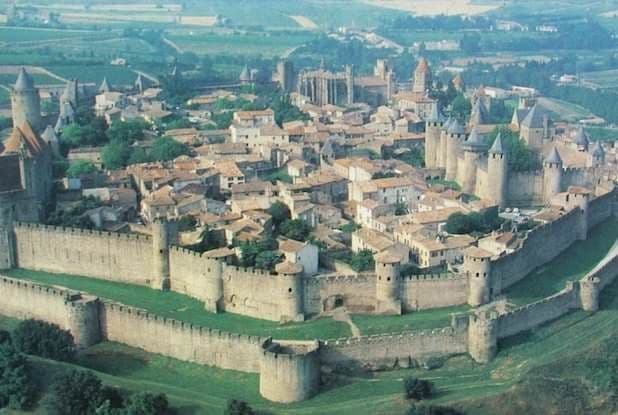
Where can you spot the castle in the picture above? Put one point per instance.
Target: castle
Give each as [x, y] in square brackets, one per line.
[485, 172]
[290, 371]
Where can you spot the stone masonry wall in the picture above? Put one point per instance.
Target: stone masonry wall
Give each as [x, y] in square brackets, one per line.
[110, 256]
[357, 293]
[422, 292]
[182, 341]
[538, 313]
[383, 351]
[194, 275]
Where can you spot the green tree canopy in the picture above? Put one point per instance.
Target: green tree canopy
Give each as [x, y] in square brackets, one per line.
[76, 392]
[362, 261]
[44, 339]
[16, 383]
[520, 157]
[296, 229]
[116, 154]
[80, 167]
[166, 148]
[127, 131]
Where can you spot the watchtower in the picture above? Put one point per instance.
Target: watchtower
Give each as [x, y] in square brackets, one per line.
[497, 171]
[552, 175]
[483, 336]
[161, 237]
[388, 283]
[290, 288]
[433, 128]
[25, 102]
[477, 265]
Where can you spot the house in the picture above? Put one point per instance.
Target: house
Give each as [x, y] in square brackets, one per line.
[301, 253]
[229, 175]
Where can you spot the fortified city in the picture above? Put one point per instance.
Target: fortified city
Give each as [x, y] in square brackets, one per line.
[387, 207]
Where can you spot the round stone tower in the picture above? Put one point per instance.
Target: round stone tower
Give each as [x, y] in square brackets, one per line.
[497, 171]
[433, 128]
[388, 283]
[289, 371]
[214, 285]
[589, 291]
[25, 102]
[474, 149]
[581, 197]
[83, 320]
[552, 175]
[482, 337]
[441, 150]
[290, 283]
[161, 254]
[477, 265]
[456, 133]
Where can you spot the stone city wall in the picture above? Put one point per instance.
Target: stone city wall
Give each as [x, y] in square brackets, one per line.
[355, 292]
[183, 341]
[110, 256]
[601, 208]
[538, 313]
[422, 292]
[524, 187]
[199, 277]
[383, 351]
[606, 273]
[540, 246]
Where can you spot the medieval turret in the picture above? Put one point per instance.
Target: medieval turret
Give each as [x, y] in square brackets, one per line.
[552, 175]
[474, 148]
[25, 102]
[105, 86]
[388, 283]
[581, 140]
[597, 155]
[455, 135]
[433, 127]
[497, 171]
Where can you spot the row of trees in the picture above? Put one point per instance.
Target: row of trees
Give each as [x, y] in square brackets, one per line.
[473, 223]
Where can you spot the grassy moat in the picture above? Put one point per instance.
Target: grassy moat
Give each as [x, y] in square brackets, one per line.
[571, 265]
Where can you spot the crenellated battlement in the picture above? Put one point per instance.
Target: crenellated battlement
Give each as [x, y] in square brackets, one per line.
[82, 232]
[342, 279]
[390, 338]
[182, 326]
[248, 271]
[434, 277]
[566, 292]
[43, 289]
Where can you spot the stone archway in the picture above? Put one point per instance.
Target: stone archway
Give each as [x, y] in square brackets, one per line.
[333, 302]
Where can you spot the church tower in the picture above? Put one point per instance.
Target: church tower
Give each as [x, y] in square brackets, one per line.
[25, 102]
[422, 77]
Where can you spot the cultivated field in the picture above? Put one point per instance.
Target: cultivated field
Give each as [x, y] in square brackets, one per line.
[305, 22]
[565, 111]
[601, 79]
[435, 7]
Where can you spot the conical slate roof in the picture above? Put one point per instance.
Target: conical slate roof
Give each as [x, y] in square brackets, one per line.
[105, 86]
[581, 138]
[497, 147]
[535, 118]
[422, 67]
[447, 124]
[24, 81]
[475, 141]
[597, 150]
[553, 157]
[49, 135]
[435, 115]
[456, 128]
[244, 75]
[479, 114]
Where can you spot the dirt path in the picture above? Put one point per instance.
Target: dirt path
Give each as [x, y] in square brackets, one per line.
[151, 78]
[341, 314]
[173, 45]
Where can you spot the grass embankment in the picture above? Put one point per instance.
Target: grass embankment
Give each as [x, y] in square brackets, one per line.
[417, 320]
[571, 265]
[184, 308]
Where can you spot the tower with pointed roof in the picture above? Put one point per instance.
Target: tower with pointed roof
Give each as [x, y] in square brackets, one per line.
[474, 150]
[422, 77]
[245, 76]
[535, 128]
[552, 175]
[497, 172]
[105, 86]
[597, 155]
[433, 129]
[455, 136]
[25, 102]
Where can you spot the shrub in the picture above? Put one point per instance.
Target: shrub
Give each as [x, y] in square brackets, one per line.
[16, 384]
[146, 404]
[235, 407]
[296, 229]
[418, 389]
[432, 410]
[44, 339]
[76, 393]
[362, 261]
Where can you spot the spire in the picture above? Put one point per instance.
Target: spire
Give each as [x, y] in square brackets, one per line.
[49, 135]
[597, 150]
[535, 118]
[447, 123]
[497, 147]
[581, 139]
[422, 67]
[105, 86]
[24, 81]
[455, 128]
[244, 75]
[435, 115]
[474, 141]
[554, 157]
[479, 114]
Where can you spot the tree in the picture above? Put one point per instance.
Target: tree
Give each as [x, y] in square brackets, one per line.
[401, 209]
[76, 392]
[138, 156]
[432, 410]
[127, 131]
[80, 168]
[461, 107]
[417, 389]
[279, 212]
[146, 404]
[16, 384]
[362, 261]
[296, 229]
[166, 148]
[235, 407]
[44, 339]
[267, 260]
[520, 157]
[115, 154]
